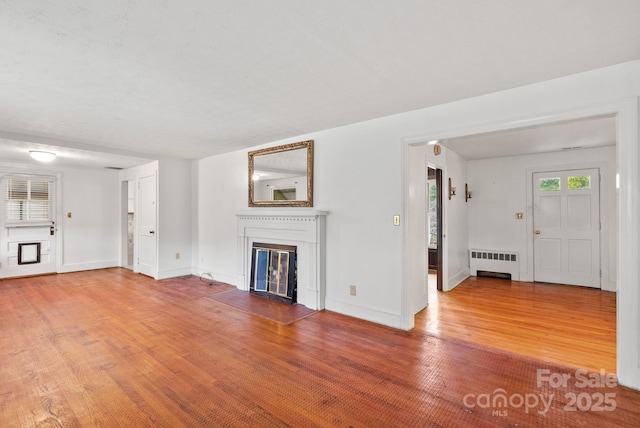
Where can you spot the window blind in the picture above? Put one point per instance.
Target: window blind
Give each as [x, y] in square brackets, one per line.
[27, 200]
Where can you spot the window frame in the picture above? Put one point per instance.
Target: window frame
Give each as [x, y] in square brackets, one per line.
[28, 222]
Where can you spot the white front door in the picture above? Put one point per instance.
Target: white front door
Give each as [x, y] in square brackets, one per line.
[566, 219]
[147, 226]
[27, 227]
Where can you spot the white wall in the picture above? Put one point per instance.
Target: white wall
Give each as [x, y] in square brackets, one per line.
[358, 180]
[499, 187]
[174, 213]
[355, 184]
[131, 196]
[90, 238]
[174, 218]
[456, 222]
[220, 190]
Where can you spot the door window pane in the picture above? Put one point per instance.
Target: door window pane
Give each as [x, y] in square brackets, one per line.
[27, 201]
[549, 184]
[579, 182]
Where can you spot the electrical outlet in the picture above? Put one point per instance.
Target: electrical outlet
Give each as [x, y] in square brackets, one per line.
[396, 220]
[352, 290]
[177, 256]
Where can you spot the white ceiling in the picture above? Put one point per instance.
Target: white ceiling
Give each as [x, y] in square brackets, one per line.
[574, 135]
[194, 78]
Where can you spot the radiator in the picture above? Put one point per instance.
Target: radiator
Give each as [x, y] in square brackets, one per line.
[494, 261]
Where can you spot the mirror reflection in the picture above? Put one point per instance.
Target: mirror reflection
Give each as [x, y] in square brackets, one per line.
[282, 176]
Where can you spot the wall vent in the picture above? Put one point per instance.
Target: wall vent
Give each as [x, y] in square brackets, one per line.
[498, 262]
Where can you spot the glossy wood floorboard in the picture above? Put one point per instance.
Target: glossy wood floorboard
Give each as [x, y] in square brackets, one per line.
[110, 348]
[574, 326]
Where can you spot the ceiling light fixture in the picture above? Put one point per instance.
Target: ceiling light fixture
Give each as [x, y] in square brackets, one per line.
[41, 156]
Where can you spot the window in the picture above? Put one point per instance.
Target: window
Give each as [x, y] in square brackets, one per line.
[549, 184]
[27, 200]
[579, 182]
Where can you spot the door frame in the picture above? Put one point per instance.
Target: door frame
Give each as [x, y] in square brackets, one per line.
[606, 200]
[134, 174]
[417, 156]
[626, 111]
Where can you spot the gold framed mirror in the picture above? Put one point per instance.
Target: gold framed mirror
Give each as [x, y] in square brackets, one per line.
[282, 176]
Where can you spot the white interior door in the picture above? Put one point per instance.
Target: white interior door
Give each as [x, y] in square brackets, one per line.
[27, 226]
[566, 221]
[147, 226]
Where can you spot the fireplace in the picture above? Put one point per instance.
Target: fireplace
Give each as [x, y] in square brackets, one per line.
[273, 271]
[301, 228]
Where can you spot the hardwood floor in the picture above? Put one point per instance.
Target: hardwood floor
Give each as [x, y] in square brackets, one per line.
[111, 348]
[567, 325]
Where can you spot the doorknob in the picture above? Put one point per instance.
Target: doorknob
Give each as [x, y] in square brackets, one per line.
[537, 232]
[152, 232]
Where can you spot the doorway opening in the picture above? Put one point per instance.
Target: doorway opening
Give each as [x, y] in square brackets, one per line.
[561, 231]
[128, 191]
[623, 200]
[434, 228]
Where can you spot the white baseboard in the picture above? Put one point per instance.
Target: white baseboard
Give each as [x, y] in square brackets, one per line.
[609, 285]
[457, 279]
[236, 280]
[173, 273]
[77, 267]
[606, 285]
[379, 316]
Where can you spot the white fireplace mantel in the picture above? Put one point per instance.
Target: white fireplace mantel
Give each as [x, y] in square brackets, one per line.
[302, 227]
